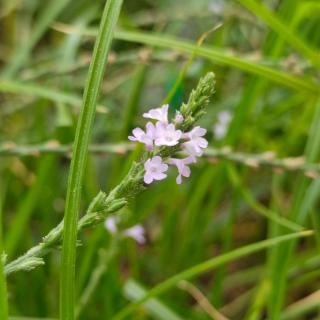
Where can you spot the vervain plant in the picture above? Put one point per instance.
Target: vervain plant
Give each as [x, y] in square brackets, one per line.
[133, 183]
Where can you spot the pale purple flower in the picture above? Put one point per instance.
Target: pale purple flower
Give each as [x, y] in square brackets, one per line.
[216, 6]
[111, 225]
[160, 114]
[224, 116]
[220, 129]
[167, 135]
[138, 134]
[179, 118]
[183, 169]
[154, 169]
[194, 147]
[137, 233]
[145, 137]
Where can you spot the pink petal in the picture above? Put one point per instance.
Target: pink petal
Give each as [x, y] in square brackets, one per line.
[179, 118]
[165, 108]
[138, 132]
[163, 167]
[147, 164]
[203, 143]
[136, 233]
[201, 131]
[148, 178]
[159, 176]
[156, 160]
[186, 172]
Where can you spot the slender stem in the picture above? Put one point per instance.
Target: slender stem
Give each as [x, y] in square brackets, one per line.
[83, 131]
[100, 207]
[255, 161]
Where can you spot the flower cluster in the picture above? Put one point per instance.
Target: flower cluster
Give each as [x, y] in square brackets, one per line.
[136, 232]
[164, 134]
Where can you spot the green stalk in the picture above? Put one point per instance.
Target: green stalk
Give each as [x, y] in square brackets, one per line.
[90, 97]
[209, 265]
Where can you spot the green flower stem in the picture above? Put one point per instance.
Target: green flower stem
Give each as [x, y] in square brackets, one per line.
[77, 169]
[103, 205]
[100, 207]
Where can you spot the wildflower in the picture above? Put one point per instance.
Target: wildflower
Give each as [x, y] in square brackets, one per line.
[224, 116]
[183, 169]
[220, 129]
[154, 169]
[144, 137]
[216, 6]
[167, 135]
[111, 225]
[163, 133]
[137, 233]
[179, 118]
[160, 114]
[138, 134]
[196, 142]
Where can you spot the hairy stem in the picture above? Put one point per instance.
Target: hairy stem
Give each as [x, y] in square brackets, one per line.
[103, 205]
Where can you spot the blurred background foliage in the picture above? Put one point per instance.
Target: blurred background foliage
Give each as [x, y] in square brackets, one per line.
[265, 55]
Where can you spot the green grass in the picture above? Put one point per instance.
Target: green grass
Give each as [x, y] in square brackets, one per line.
[78, 163]
[208, 265]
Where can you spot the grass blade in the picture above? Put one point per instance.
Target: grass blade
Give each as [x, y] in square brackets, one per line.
[213, 54]
[49, 14]
[280, 256]
[134, 291]
[281, 29]
[209, 265]
[95, 75]
[35, 90]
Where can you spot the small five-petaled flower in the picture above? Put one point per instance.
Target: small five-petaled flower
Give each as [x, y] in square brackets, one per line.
[163, 133]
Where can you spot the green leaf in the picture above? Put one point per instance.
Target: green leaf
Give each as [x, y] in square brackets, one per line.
[78, 163]
[134, 291]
